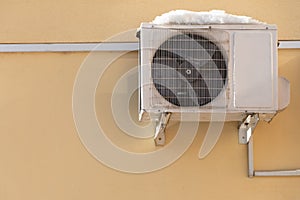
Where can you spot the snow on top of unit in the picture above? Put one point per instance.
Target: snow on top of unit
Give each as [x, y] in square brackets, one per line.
[211, 17]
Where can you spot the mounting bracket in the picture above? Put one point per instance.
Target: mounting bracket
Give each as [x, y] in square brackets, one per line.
[247, 127]
[159, 136]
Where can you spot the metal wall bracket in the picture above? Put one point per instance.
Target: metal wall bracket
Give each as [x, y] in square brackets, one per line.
[247, 127]
[159, 136]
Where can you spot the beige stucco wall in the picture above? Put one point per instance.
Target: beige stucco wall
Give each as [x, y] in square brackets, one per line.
[95, 20]
[40, 152]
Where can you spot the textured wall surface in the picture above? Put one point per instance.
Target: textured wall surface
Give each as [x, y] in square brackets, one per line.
[40, 151]
[95, 20]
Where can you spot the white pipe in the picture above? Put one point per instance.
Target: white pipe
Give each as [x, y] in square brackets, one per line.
[69, 47]
[112, 46]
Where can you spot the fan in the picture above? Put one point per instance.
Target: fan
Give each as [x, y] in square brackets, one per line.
[189, 70]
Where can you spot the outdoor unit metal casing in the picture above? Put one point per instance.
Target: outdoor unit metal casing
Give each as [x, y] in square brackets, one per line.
[250, 54]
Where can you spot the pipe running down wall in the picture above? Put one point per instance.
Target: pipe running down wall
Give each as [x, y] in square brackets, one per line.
[252, 172]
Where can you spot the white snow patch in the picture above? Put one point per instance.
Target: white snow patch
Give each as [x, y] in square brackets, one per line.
[211, 17]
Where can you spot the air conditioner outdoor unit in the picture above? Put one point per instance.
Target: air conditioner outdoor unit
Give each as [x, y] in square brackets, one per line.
[197, 70]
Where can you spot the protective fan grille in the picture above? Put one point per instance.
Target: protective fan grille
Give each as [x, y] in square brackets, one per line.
[189, 70]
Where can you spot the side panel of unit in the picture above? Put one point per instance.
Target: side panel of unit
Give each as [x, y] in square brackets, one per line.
[254, 75]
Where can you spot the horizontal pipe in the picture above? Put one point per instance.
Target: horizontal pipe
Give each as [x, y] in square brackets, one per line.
[295, 172]
[69, 47]
[291, 44]
[85, 47]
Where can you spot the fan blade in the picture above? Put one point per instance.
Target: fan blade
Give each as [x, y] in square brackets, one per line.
[201, 92]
